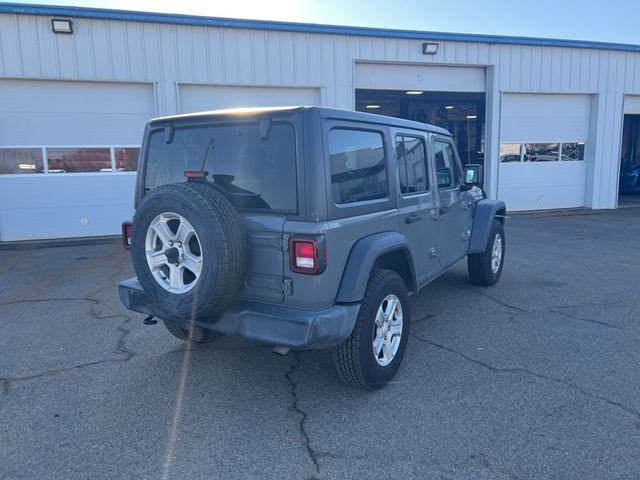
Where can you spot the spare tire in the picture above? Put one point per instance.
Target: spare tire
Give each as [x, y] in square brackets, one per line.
[188, 250]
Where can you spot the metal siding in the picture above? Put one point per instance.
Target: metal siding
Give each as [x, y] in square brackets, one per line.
[197, 98]
[155, 49]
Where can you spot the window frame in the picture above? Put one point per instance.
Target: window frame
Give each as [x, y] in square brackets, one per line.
[402, 135]
[45, 160]
[456, 161]
[385, 152]
[523, 151]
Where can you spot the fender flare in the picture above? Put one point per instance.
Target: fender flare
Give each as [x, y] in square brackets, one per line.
[360, 262]
[485, 211]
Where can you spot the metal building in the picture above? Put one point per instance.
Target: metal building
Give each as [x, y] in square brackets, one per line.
[77, 85]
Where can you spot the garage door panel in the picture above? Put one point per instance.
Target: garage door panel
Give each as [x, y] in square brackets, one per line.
[544, 118]
[632, 104]
[420, 77]
[72, 129]
[542, 186]
[64, 206]
[52, 113]
[197, 98]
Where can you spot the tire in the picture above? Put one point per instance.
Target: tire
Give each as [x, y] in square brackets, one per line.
[354, 359]
[208, 269]
[190, 334]
[481, 270]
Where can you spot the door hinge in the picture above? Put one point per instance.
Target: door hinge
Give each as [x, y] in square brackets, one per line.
[284, 242]
[433, 252]
[465, 235]
[287, 286]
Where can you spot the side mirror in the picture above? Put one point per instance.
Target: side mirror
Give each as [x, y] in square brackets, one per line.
[472, 176]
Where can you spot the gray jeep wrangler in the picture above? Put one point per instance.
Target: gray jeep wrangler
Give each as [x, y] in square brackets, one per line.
[303, 228]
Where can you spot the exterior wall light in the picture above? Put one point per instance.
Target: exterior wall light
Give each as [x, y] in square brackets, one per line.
[429, 48]
[61, 25]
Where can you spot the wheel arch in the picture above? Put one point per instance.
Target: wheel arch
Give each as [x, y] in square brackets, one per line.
[485, 211]
[388, 250]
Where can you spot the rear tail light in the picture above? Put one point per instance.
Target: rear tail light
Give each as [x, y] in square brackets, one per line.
[307, 254]
[127, 233]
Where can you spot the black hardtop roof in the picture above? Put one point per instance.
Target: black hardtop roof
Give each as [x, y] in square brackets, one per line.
[324, 112]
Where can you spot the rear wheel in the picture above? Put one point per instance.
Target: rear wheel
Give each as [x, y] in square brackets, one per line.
[190, 333]
[372, 354]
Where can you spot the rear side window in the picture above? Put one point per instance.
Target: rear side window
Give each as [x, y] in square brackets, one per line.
[358, 165]
[446, 168]
[412, 165]
[256, 173]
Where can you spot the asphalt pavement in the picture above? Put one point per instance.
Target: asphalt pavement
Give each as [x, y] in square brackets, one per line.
[537, 377]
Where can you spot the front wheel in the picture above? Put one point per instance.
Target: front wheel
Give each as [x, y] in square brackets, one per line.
[372, 354]
[485, 267]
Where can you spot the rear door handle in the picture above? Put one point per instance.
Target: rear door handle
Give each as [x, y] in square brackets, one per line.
[414, 217]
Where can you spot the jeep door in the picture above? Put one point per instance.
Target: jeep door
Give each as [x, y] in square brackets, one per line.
[416, 204]
[454, 216]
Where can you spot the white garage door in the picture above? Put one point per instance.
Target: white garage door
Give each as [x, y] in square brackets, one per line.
[543, 140]
[198, 98]
[420, 77]
[34, 112]
[59, 144]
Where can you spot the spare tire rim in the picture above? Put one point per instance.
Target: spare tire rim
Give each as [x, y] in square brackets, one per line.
[496, 253]
[174, 253]
[387, 331]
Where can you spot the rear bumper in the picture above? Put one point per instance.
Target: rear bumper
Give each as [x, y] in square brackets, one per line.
[265, 323]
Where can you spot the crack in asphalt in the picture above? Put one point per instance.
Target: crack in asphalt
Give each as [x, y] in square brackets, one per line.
[8, 381]
[490, 297]
[119, 349]
[63, 299]
[582, 319]
[426, 317]
[303, 415]
[525, 371]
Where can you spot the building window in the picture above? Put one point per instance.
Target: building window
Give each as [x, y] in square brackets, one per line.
[358, 165]
[542, 152]
[412, 165]
[572, 151]
[75, 160]
[127, 159]
[21, 160]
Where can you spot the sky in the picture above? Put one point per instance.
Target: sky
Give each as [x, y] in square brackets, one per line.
[615, 21]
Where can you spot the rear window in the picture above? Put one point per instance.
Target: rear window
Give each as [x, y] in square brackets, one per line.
[257, 173]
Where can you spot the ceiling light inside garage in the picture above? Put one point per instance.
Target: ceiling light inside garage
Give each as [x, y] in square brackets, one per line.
[414, 92]
[373, 106]
[471, 117]
[448, 107]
